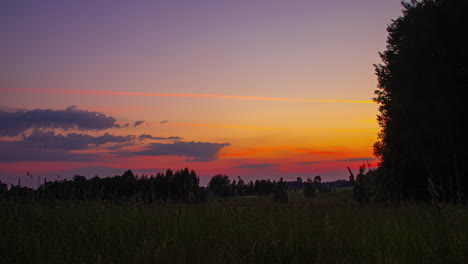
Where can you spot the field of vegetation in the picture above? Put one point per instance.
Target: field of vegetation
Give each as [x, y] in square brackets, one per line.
[331, 228]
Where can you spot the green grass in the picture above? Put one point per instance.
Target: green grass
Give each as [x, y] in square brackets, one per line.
[329, 229]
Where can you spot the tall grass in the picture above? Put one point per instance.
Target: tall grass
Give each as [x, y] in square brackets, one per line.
[329, 229]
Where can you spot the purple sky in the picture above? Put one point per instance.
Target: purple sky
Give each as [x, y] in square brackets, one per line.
[188, 60]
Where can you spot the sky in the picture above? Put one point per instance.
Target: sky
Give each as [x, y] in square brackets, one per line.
[257, 89]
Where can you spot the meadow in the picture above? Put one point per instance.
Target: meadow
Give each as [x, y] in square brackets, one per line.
[331, 228]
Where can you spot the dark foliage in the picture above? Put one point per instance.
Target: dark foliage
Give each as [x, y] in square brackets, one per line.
[220, 185]
[309, 189]
[264, 187]
[169, 187]
[3, 187]
[181, 186]
[423, 88]
[351, 176]
[280, 192]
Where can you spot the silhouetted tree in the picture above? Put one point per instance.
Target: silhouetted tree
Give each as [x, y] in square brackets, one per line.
[351, 176]
[219, 185]
[3, 187]
[280, 192]
[310, 189]
[422, 92]
[318, 179]
[241, 187]
[181, 186]
[263, 187]
[362, 185]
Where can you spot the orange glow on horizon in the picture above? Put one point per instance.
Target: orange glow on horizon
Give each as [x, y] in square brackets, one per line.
[263, 128]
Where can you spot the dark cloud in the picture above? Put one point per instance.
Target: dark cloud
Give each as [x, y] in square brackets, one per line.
[255, 166]
[49, 146]
[175, 138]
[193, 151]
[331, 161]
[15, 123]
[137, 123]
[146, 136]
[164, 122]
[72, 141]
[45, 145]
[18, 151]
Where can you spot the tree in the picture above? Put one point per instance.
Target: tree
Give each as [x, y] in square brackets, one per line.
[318, 179]
[351, 176]
[317, 183]
[309, 189]
[361, 188]
[280, 192]
[422, 90]
[184, 185]
[220, 185]
[3, 187]
[240, 188]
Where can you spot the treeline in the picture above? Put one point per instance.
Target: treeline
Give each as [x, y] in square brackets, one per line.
[222, 186]
[178, 186]
[169, 187]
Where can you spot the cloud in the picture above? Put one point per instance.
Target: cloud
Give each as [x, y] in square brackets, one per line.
[78, 141]
[15, 123]
[255, 166]
[332, 161]
[72, 141]
[193, 151]
[163, 122]
[146, 136]
[137, 123]
[18, 151]
[45, 145]
[48, 146]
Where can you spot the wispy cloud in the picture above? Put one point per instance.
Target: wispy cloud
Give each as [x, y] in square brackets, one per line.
[146, 136]
[137, 123]
[193, 151]
[255, 166]
[334, 161]
[190, 95]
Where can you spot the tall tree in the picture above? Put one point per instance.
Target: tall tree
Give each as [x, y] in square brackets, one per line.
[422, 92]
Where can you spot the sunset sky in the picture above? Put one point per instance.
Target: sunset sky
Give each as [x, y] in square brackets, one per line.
[257, 89]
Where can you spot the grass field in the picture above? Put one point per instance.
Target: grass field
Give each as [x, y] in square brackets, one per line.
[329, 229]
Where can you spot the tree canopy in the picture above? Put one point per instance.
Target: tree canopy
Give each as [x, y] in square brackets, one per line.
[422, 93]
